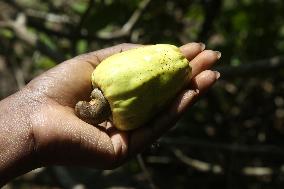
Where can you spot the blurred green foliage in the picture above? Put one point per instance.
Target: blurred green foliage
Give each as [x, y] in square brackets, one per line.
[238, 125]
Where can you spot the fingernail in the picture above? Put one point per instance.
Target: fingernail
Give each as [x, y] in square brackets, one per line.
[219, 54]
[202, 45]
[217, 74]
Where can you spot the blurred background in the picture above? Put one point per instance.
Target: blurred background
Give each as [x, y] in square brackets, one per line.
[232, 138]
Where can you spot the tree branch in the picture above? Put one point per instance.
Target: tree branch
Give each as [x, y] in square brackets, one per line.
[47, 16]
[202, 166]
[84, 16]
[212, 9]
[102, 36]
[248, 149]
[260, 68]
[128, 26]
[79, 27]
[146, 172]
[21, 32]
[197, 164]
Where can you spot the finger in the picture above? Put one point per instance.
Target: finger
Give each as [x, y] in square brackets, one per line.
[143, 137]
[204, 61]
[190, 50]
[201, 83]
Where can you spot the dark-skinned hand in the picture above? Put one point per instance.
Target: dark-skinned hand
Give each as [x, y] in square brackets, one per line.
[38, 125]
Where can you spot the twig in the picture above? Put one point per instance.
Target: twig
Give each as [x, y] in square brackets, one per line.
[257, 171]
[47, 16]
[84, 16]
[253, 68]
[212, 9]
[146, 172]
[158, 159]
[18, 26]
[128, 26]
[197, 164]
[21, 32]
[104, 36]
[7, 186]
[34, 13]
[202, 166]
[78, 28]
[65, 34]
[250, 149]
[135, 16]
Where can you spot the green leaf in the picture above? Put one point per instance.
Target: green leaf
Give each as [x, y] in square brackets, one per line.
[6, 33]
[82, 46]
[79, 6]
[44, 62]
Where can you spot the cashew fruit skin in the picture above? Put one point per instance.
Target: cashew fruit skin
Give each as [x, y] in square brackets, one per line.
[138, 83]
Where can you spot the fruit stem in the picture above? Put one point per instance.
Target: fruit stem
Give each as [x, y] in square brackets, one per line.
[95, 111]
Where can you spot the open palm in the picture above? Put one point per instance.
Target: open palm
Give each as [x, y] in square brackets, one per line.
[62, 138]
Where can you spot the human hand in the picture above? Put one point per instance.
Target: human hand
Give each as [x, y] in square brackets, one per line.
[50, 133]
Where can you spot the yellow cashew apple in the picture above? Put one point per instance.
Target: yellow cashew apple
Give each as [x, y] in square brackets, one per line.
[131, 87]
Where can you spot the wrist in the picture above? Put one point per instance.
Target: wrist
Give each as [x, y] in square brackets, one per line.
[16, 140]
